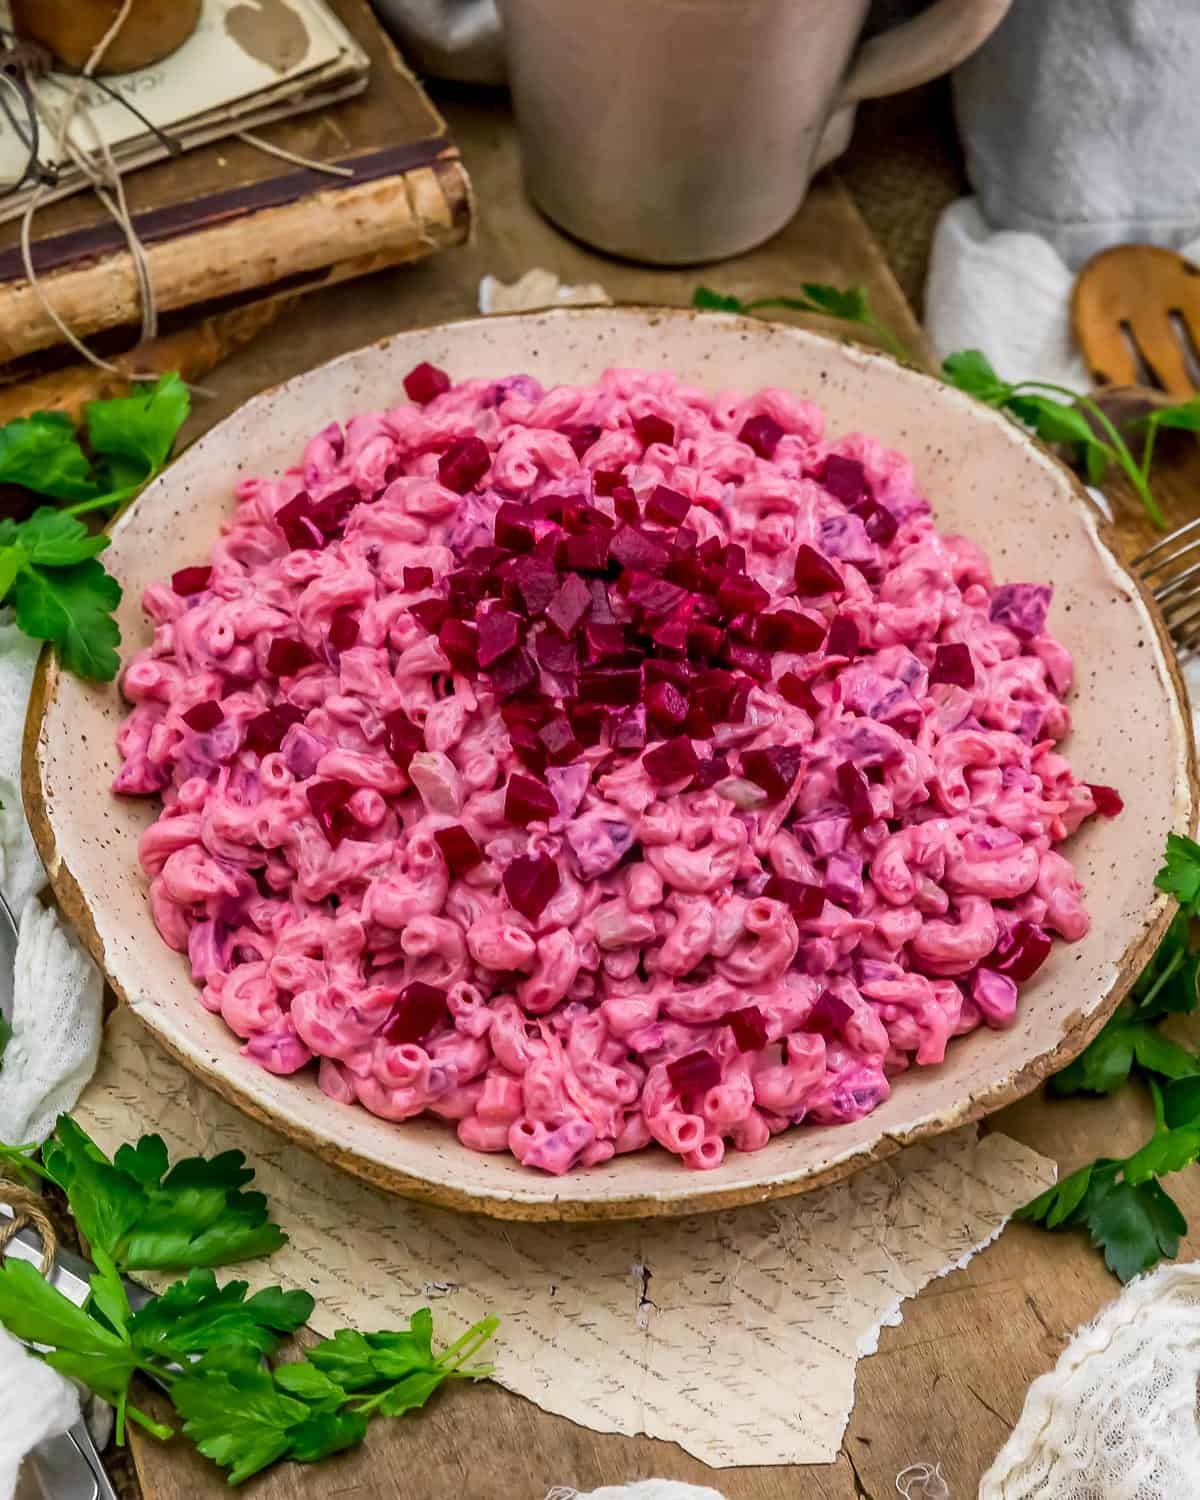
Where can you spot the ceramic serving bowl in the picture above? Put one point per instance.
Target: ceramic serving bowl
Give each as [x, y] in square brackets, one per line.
[984, 477]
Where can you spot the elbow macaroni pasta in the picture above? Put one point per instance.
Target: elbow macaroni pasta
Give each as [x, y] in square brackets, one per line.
[559, 1032]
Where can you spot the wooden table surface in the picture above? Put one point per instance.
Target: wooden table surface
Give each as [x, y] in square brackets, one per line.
[950, 1381]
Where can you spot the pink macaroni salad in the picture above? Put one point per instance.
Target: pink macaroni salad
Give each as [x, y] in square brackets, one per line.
[600, 766]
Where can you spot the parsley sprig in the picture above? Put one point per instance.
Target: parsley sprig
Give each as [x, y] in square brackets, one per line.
[1122, 1202]
[48, 567]
[1054, 412]
[208, 1345]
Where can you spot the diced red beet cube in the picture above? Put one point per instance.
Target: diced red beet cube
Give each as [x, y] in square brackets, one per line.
[739, 593]
[468, 586]
[556, 652]
[416, 579]
[829, 1014]
[710, 771]
[418, 1010]
[528, 747]
[845, 478]
[528, 801]
[652, 429]
[625, 504]
[653, 596]
[666, 705]
[285, 658]
[666, 669]
[798, 693]
[265, 732]
[559, 741]
[459, 849]
[530, 883]
[1020, 952]
[713, 550]
[816, 574]
[204, 716]
[749, 659]
[762, 433]
[615, 687]
[588, 720]
[331, 512]
[569, 604]
[749, 1027]
[667, 506]
[673, 760]
[514, 529]
[1109, 802]
[855, 792]
[695, 1073]
[788, 630]
[634, 548]
[602, 610]
[534, 709]
[705, 641]
[880, 524]
[805, 901]
[431, 614]
[499, 633]
[582, 440]
[686, 539]
[774, 767]
[952, 663]
[843, 638]
[603, 642]
[401, 737]
[586, 552]
[734, 557]
[188, 581]
[536, 583]
[328, 799]
[605, 481]
[459, 641]
[463, 464]
[512, 674]
[343, 630]
[299, 525]
[628, 730]
[425, 381]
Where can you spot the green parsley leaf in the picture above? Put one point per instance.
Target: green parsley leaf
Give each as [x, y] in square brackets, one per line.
[971, 371]
[1181, 1103]
[1165, 1152]
[72, 608]
[148, 1218]
[1134, 1226]
[1180, 875]
[1185, 416]
[704, 297]
[139, 428]
[411, 1392]
[1159, 1055]
[1061, 1204]
[41, 453]
[326, 1433]
[1167, 985]
[56, 539]
[307, 1383]
[1104, 1064]
[195, 1315]
[33, 1310]
[344, 1358]
[236, 1416]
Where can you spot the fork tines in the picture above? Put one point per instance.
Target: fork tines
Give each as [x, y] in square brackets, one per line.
[1171, 571]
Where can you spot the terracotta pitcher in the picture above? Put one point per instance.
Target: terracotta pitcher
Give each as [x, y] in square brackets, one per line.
[675, 131]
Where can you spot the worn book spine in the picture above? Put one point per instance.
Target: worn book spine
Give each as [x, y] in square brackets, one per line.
[294, 241]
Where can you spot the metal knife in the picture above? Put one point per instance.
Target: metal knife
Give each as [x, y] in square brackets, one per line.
[66, 1467]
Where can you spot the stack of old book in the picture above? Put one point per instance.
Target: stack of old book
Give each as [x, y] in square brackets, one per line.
[223, 222]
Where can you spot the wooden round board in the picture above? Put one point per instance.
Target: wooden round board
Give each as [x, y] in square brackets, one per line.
[984, 478]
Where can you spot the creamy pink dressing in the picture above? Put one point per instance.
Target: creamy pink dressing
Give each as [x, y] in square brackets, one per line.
[715, 956]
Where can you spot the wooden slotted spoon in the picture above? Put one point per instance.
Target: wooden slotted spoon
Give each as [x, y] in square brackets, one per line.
[1136, 314]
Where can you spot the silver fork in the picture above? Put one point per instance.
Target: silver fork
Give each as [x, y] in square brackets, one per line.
[1171, 571]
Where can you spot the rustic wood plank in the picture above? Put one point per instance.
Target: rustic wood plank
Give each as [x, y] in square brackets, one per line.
[949, 1381]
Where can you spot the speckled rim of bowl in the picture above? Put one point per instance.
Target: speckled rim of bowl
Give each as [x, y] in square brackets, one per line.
[536, 1197]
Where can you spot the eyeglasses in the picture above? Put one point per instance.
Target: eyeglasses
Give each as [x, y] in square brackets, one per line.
[19, 137]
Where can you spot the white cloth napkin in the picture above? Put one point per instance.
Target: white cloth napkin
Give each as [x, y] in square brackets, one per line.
[37, 1403]
[58, 991]
[1080, 129]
